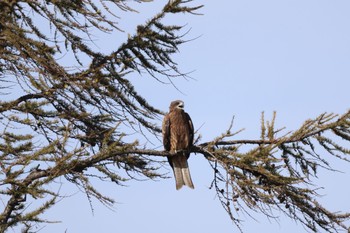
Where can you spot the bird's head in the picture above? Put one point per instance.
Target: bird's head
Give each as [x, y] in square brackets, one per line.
[177, 104]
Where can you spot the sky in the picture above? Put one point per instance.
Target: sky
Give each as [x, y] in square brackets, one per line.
[288, 56]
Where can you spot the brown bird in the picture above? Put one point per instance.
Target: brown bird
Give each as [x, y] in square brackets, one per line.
[177, 132]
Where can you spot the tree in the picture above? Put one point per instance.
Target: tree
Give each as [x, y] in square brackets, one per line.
[60, 121]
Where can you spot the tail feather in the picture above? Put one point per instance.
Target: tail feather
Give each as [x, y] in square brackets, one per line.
[178, 178]
[186, 176]
[181, 172]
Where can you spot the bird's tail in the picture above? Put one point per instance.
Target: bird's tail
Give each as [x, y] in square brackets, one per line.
[182, 173]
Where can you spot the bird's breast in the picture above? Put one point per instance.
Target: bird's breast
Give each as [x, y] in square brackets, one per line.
[179, 132]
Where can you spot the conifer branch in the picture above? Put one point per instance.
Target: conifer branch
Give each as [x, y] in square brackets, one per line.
[76, 120]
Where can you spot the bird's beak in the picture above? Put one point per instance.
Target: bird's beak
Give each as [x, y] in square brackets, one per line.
[181, 105]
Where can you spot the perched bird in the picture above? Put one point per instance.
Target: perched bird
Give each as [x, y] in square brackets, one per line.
[177, 129]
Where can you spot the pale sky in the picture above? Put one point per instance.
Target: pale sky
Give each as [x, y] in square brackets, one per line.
[289, 56]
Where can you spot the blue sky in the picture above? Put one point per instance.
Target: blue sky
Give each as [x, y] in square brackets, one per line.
[289, 56]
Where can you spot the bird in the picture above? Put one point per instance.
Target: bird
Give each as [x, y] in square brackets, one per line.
[177, 131]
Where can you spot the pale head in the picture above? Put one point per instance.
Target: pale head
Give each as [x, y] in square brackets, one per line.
[177, 104]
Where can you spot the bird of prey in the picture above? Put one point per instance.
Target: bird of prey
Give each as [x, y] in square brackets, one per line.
[177, 129]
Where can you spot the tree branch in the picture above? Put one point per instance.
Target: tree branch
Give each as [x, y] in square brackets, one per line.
[5, 106]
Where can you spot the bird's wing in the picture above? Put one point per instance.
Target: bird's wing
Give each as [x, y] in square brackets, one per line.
[191, 129]
[166, 132]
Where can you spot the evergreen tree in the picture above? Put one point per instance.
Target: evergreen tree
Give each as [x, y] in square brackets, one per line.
[60, 121]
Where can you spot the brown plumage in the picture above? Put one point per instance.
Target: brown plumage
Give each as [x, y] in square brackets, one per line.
[177, 131]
